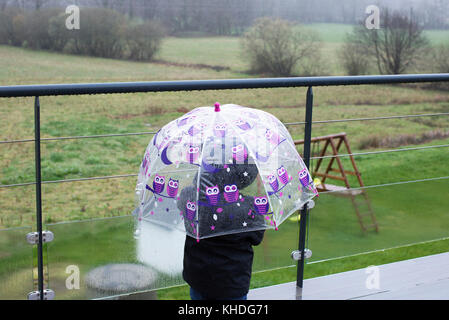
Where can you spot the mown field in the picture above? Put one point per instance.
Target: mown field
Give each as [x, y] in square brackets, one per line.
[409, 213]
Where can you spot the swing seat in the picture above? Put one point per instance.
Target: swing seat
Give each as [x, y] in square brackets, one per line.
[338, 190]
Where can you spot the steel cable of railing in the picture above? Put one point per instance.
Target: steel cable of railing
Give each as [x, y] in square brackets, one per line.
[312, 158]
[381, 151]
[81, 137]
[285, 123]
[135, 175]
[386, 185]
[369, 119]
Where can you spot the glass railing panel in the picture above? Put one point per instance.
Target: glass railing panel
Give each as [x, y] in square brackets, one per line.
[16, 264]
[277, 246]
[342, 224]
[105, 258]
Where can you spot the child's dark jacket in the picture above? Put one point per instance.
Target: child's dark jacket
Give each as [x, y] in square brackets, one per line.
[220, 267]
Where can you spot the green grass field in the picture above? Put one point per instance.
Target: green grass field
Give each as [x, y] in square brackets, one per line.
[227, 52]
[90, 219]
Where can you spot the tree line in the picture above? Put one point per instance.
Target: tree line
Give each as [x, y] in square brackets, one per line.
[105, 33]
[279, 48]
[233, 17]
[271, 46]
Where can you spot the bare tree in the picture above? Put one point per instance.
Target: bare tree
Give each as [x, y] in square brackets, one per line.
[353, 59]
[440, 56]
[396, 46]
[276, 47]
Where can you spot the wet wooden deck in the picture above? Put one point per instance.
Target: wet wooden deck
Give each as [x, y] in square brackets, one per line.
[425, 278]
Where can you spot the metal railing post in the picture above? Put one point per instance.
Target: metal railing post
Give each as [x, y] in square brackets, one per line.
[37, 161]
[304, 211]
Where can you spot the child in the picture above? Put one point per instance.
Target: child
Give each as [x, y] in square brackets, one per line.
[219, 267]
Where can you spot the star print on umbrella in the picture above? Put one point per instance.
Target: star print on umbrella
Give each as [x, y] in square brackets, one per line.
[221, 170]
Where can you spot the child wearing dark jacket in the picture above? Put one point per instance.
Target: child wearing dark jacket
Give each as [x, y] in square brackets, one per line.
[219, 267]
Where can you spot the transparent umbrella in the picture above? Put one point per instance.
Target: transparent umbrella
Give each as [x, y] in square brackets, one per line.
[221, 170]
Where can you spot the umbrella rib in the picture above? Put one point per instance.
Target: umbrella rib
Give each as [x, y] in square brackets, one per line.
[255, 162]
[206, 135]
[145, 179]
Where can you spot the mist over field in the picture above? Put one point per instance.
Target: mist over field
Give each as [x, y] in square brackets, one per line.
[227, 17]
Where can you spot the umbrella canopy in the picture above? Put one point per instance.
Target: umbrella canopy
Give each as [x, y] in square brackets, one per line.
[221, 170]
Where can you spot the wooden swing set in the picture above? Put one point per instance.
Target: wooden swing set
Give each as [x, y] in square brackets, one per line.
[359, 197]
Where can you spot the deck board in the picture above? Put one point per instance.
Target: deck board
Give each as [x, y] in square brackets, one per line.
[425, 278]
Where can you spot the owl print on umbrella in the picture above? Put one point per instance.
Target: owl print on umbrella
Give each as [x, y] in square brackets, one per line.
[278, 181]
[231, 193]
[239, 153]
[194, 175]
[242, 124]
[159, 185]
[213, 195]
[261, 205]
[220, 130]
[192, 154]
[305, 180]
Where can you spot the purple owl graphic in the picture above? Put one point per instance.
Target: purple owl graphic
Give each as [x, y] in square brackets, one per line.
[172, 187]
[158, 184]
[242, 124]
[192, 154]
[196, 128]
[261, 204]
[186, 120]
[146, 162]
[283, 175]
[304, 177]
[272, 136]
[273, 181]
[220, 130]
[231, 193]
[239, 153]
[213, 195]
[190, 210]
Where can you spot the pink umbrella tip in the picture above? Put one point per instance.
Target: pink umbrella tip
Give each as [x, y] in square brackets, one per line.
[217, 107]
